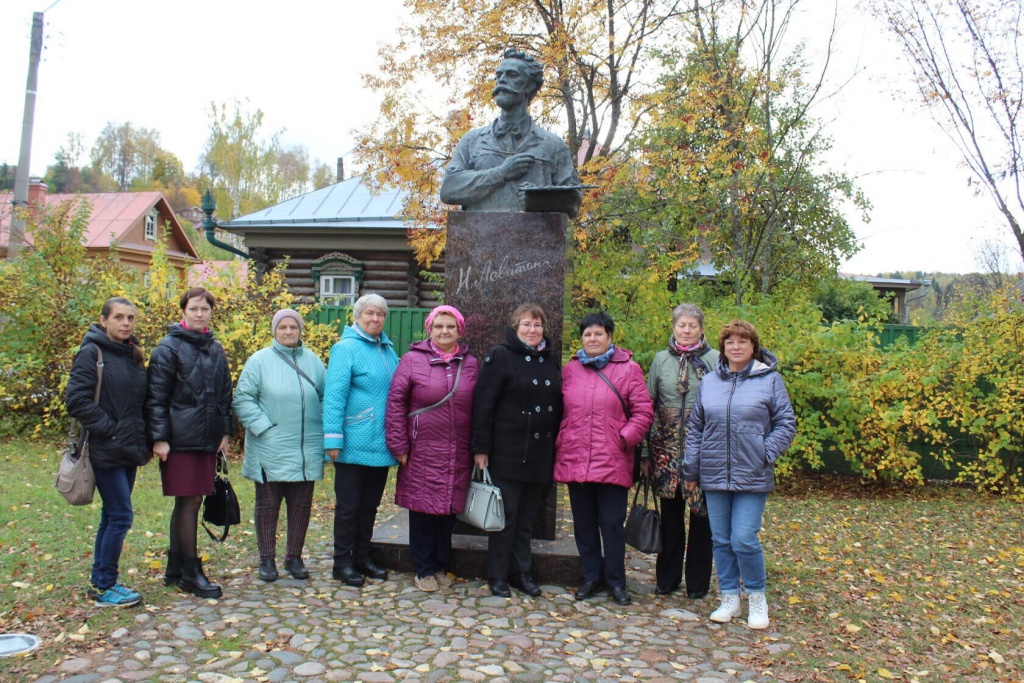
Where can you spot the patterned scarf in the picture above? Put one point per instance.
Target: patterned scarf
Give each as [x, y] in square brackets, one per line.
[689, 356]
[538, 348]
[446, 357]
[597, 361]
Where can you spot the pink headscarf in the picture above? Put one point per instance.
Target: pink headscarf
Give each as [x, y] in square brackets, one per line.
[460, 322]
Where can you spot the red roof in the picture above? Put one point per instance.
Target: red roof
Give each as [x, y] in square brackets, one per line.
[111, 216]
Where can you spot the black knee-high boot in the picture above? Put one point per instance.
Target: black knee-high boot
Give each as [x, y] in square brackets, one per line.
[185, 526]
[172, 574]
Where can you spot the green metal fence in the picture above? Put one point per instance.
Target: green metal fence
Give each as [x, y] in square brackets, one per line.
[402, 326]
[890, 333]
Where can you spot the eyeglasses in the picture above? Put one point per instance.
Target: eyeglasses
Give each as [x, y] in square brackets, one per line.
[531, 326]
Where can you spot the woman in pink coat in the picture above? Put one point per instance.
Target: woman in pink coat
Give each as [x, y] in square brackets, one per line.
[428, 428]
[607, 412]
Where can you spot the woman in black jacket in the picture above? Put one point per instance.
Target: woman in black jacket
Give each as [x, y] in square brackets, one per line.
[517, 406]
[188, 407]
[117, 436]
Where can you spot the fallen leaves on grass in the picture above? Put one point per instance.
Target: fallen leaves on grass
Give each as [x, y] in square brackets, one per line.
[895, 584]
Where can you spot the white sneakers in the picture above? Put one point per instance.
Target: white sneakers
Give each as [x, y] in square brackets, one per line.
[758, 615]
[730, 607]
[443, 580]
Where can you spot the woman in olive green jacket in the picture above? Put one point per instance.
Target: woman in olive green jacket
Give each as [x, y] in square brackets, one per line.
[672, 382]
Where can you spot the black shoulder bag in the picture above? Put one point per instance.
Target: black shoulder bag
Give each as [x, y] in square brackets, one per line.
[221, 507]
[643, 525]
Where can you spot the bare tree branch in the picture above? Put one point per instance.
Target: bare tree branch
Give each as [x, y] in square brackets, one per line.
[966, 59]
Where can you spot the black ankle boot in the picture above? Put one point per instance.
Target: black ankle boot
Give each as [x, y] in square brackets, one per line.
[268, 570]
[296, 567]
[172, 575]
[194, 581]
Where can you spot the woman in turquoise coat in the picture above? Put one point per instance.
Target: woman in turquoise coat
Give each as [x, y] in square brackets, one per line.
[277, 400]
[355, 404]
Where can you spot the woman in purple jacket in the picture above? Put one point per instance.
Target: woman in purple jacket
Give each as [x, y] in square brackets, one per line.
[607, 412]
[429, 429]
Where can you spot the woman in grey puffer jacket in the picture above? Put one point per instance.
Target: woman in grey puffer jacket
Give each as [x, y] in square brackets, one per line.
[741, 422]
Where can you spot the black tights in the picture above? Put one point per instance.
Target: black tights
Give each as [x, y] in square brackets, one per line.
[184, 525]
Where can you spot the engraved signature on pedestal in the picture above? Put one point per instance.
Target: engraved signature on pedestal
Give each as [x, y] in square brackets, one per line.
[487, 273]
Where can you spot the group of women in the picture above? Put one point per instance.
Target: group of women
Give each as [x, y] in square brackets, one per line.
[716, 421]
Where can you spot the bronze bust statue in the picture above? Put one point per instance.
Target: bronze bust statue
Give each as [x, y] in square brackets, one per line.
[495, 166]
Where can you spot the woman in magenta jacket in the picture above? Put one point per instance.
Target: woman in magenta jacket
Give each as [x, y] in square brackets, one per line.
[429, 429]
[607, 412]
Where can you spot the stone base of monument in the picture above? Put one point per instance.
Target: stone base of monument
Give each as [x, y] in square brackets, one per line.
[554, 561]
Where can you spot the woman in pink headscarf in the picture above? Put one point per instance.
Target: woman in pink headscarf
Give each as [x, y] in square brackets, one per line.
[429, 427]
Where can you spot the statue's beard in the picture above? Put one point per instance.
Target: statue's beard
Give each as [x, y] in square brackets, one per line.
[505, 97]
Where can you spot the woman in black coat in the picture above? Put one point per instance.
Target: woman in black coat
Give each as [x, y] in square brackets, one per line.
[188, 407]
[517, 407]
[117, 436]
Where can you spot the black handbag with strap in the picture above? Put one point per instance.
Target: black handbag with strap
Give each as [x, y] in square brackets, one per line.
[221, 507]
[643, 525]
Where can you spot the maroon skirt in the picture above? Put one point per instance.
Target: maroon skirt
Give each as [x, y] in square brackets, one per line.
[188, 473]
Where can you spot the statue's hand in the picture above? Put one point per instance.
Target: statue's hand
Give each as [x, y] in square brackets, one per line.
[516, 166]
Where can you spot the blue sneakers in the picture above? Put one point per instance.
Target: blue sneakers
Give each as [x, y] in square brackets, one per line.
[126, 591]
[117, 595]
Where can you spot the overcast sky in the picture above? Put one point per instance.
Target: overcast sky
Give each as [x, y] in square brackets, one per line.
[160, 65]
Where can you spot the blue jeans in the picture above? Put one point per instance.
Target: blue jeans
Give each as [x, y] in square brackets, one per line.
[115, 489]
[735, 518]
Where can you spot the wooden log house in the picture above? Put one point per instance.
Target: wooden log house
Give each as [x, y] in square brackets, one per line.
[341, 242]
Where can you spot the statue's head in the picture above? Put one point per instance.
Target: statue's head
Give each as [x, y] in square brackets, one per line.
[518, 76]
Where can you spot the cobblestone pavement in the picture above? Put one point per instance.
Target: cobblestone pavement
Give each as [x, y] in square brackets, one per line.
[322, 631]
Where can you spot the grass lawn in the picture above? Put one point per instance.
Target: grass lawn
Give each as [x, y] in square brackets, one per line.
[46, 554]
[865, 584]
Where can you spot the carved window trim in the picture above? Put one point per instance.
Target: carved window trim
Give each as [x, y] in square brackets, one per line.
[330, 273]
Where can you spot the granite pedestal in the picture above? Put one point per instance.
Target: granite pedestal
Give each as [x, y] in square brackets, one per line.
[555, 561]
[497, 261]
[493, 263]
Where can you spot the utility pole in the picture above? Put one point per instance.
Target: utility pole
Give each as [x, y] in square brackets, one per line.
[17, 235]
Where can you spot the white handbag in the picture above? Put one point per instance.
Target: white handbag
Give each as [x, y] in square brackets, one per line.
[485, 508]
